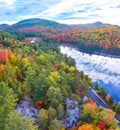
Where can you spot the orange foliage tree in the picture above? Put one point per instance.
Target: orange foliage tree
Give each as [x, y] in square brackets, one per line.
[90, 107]
[86, 127]
[1, 70]
[3, 55]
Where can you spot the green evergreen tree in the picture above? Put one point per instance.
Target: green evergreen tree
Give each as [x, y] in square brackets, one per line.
[14, 121]
[7, 103]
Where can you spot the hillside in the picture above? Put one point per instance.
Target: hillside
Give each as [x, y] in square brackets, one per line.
[30, 23]
[102, 40]
[37, 22]
[91, 38]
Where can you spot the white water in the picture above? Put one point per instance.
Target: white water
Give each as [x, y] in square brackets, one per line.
[105, 70]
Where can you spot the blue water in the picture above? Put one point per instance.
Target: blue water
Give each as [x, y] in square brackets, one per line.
[105, 70]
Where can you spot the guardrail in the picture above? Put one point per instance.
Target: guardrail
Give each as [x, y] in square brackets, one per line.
[99, 101]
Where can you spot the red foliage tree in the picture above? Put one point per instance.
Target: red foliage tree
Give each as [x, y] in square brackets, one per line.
[38, 104]
[101, 125]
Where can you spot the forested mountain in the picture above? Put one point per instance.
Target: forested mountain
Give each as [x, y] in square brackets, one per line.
[95, 37]
[49, 79]
[37, 22]
[31, 24]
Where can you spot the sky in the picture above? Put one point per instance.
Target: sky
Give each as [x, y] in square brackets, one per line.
[62, 11]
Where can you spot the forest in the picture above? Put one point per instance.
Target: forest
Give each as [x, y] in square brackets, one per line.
[39, 71]
[96, 38]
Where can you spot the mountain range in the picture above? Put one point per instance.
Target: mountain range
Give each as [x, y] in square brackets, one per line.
[92, 37]
[44, 23]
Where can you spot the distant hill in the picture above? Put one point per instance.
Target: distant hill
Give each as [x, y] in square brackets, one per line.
[90, 25]
[41, 27]
[45, 23]
[37, 22]
[31, 23]
[4, 26]
[33, 27]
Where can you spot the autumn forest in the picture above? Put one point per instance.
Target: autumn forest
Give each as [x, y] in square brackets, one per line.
[32, 66]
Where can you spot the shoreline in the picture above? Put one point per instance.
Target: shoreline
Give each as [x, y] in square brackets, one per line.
[99, 53]
[89, 52]
[101, 72]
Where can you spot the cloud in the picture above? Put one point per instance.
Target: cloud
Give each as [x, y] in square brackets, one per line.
[96, 11]
[65, 11]
[7, 2]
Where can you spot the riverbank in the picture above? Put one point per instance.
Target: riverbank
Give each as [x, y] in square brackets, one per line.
[89, 52]
[101, 69]
[98, 53]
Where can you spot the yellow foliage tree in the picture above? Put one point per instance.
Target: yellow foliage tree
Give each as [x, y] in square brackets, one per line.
[90, 107]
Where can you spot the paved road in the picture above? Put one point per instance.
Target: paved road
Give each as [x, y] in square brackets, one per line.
[99, 101]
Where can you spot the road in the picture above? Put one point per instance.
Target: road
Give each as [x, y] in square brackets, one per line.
[99, 101]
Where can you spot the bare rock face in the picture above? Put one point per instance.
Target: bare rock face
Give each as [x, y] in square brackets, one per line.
[72, 113]
[25, 108]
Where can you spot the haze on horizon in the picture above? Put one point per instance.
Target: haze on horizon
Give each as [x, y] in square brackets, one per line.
[63, 11]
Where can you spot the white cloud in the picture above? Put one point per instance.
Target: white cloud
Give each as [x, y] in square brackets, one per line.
[8, 2]
[101, 9]
[65, 11]
[55, 10]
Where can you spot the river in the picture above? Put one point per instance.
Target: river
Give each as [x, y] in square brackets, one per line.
[103, 69]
